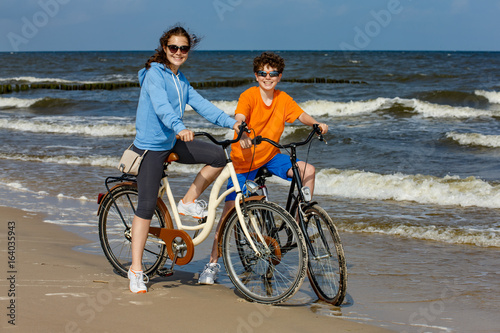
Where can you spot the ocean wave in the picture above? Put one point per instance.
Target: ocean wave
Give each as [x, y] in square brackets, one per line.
[451, 235]
[450, 190]
[92, 160]
[492, 96]
[32, 79]
[475, 139]
[425, 109]
[13, 102]
[430, 110]
[91, 126]
[324, 108]
[105, 161]
[453, 98]
[344, 109]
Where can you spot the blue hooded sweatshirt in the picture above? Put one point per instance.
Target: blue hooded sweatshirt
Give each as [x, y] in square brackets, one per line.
[162, 102]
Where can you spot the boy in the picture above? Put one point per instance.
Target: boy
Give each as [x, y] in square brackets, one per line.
[266, 110]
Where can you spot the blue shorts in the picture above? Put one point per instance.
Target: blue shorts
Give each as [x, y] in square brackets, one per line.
[278, 166]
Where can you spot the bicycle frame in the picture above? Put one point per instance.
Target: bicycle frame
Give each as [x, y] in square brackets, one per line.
[214, 202]
[296, 182]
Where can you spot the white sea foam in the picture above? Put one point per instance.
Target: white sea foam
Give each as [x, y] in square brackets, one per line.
[16, 186]
[226, 106]
[483, 238]
[92, 126]
[450, 190]
[344, 109]
[32, 79]
[357, 108]
[492, 96]
[13, 102]
[475, 139]
[430, 110]
[95, 160]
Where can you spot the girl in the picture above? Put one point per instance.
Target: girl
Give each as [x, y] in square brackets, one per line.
[164, 94]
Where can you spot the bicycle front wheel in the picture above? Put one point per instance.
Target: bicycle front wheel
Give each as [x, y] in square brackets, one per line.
[276, 271]
[327, 266]
[115, 227]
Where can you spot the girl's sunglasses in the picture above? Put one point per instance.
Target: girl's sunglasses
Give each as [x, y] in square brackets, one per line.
[271, 74]
[173, 48]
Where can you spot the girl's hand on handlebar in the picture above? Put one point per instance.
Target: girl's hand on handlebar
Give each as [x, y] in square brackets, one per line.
[236, 126]
[186, 135]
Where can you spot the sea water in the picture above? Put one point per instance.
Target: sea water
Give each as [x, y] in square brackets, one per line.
[411, 165]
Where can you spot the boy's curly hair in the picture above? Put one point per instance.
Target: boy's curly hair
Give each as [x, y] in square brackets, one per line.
[268, 58]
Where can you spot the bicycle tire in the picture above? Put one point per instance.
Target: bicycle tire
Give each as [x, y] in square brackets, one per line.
[272, 277]
[327, 269]
[114, 232]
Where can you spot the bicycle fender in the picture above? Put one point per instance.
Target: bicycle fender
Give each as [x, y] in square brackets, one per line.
[224, 221]
[159, 202]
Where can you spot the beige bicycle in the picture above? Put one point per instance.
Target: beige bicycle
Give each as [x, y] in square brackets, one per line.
[262, 247]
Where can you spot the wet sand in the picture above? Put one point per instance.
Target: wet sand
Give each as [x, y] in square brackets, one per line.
[49, 287]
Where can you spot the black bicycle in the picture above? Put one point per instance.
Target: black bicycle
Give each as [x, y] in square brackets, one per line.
[327, 265]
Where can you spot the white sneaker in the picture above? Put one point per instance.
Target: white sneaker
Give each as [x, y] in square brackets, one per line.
[137, 285]
[209, 274]
[195, 209]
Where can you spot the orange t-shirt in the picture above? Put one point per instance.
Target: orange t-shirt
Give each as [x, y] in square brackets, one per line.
[267, 121]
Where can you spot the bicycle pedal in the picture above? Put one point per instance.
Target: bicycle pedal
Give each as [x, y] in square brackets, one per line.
[163, 272]
[202, 220]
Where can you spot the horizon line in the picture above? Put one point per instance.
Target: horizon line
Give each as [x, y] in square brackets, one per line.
[254, 50]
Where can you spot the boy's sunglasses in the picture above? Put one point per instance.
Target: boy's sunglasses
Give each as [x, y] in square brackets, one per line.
[271, 74]
[173, 48]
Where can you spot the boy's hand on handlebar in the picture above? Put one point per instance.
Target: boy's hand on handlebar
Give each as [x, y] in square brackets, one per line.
[323, 127]
[186, 135]
[245, 141]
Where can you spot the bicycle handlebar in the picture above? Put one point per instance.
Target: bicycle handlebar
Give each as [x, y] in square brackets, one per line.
[316, 130]
[225, 143]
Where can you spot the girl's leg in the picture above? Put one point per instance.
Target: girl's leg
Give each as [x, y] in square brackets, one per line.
[148, 183]
[203, 179]
[140, 228]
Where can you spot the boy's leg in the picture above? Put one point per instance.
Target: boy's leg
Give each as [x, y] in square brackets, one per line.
[229, 204]
[307, 174]
[200, 152]
[281, 166]
[214, 256]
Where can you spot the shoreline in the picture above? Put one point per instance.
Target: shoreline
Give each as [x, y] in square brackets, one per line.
[62, 290]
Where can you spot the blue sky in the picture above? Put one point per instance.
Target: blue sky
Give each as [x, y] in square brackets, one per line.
[86, 25]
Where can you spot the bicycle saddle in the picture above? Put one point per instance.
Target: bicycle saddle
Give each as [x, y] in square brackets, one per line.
[263, 172]
[172, 157]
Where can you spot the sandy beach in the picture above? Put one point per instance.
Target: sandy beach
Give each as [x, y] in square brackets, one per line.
[48, 287]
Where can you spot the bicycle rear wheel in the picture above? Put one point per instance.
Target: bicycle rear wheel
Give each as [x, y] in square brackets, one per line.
[277, 271]
[327, 266]
[115, 223]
